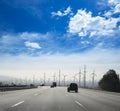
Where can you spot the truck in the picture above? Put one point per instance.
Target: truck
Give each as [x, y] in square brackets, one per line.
[54, 84]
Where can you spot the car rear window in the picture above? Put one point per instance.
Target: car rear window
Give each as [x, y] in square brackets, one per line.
[73, 85]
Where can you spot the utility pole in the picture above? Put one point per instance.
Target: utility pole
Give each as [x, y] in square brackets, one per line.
[26, 81]
[84, 76]
[44, 78]
[74, 78]
[54, 77]
[33, 79]
[79, 77]
[64, 79]
[93, 78]
[59, 77]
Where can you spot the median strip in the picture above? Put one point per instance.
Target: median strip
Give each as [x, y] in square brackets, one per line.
[18, 104]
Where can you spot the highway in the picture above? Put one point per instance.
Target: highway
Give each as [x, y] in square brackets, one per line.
[58, 99]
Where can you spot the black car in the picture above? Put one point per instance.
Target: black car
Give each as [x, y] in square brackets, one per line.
[73, 87]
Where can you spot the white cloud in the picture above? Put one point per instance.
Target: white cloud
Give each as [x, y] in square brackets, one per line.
[83, 23]
[33, 45]
[64, 13]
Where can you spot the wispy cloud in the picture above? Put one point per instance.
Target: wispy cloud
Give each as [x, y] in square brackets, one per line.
[33, 45]
[105, 3]
[117, 8]
[62, 13]
[113, 2]
[52, 43]
[112, 5]
[114, 8]
[28, 6]
[31, 36]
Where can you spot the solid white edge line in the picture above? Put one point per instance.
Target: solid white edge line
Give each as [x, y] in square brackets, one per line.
[18, 103]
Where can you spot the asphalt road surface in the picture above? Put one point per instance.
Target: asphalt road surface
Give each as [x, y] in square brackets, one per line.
[58, 99]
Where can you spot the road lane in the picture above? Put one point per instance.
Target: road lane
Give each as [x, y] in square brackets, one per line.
[58, 99]
[97, 100]
[8, 99]
[54, 99]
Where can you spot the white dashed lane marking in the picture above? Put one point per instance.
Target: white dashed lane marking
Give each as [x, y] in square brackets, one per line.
[18, 104]
[66, 95]
[81, 105]
[35, 94]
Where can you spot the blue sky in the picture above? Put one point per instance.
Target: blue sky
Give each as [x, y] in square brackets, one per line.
[37, 28]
